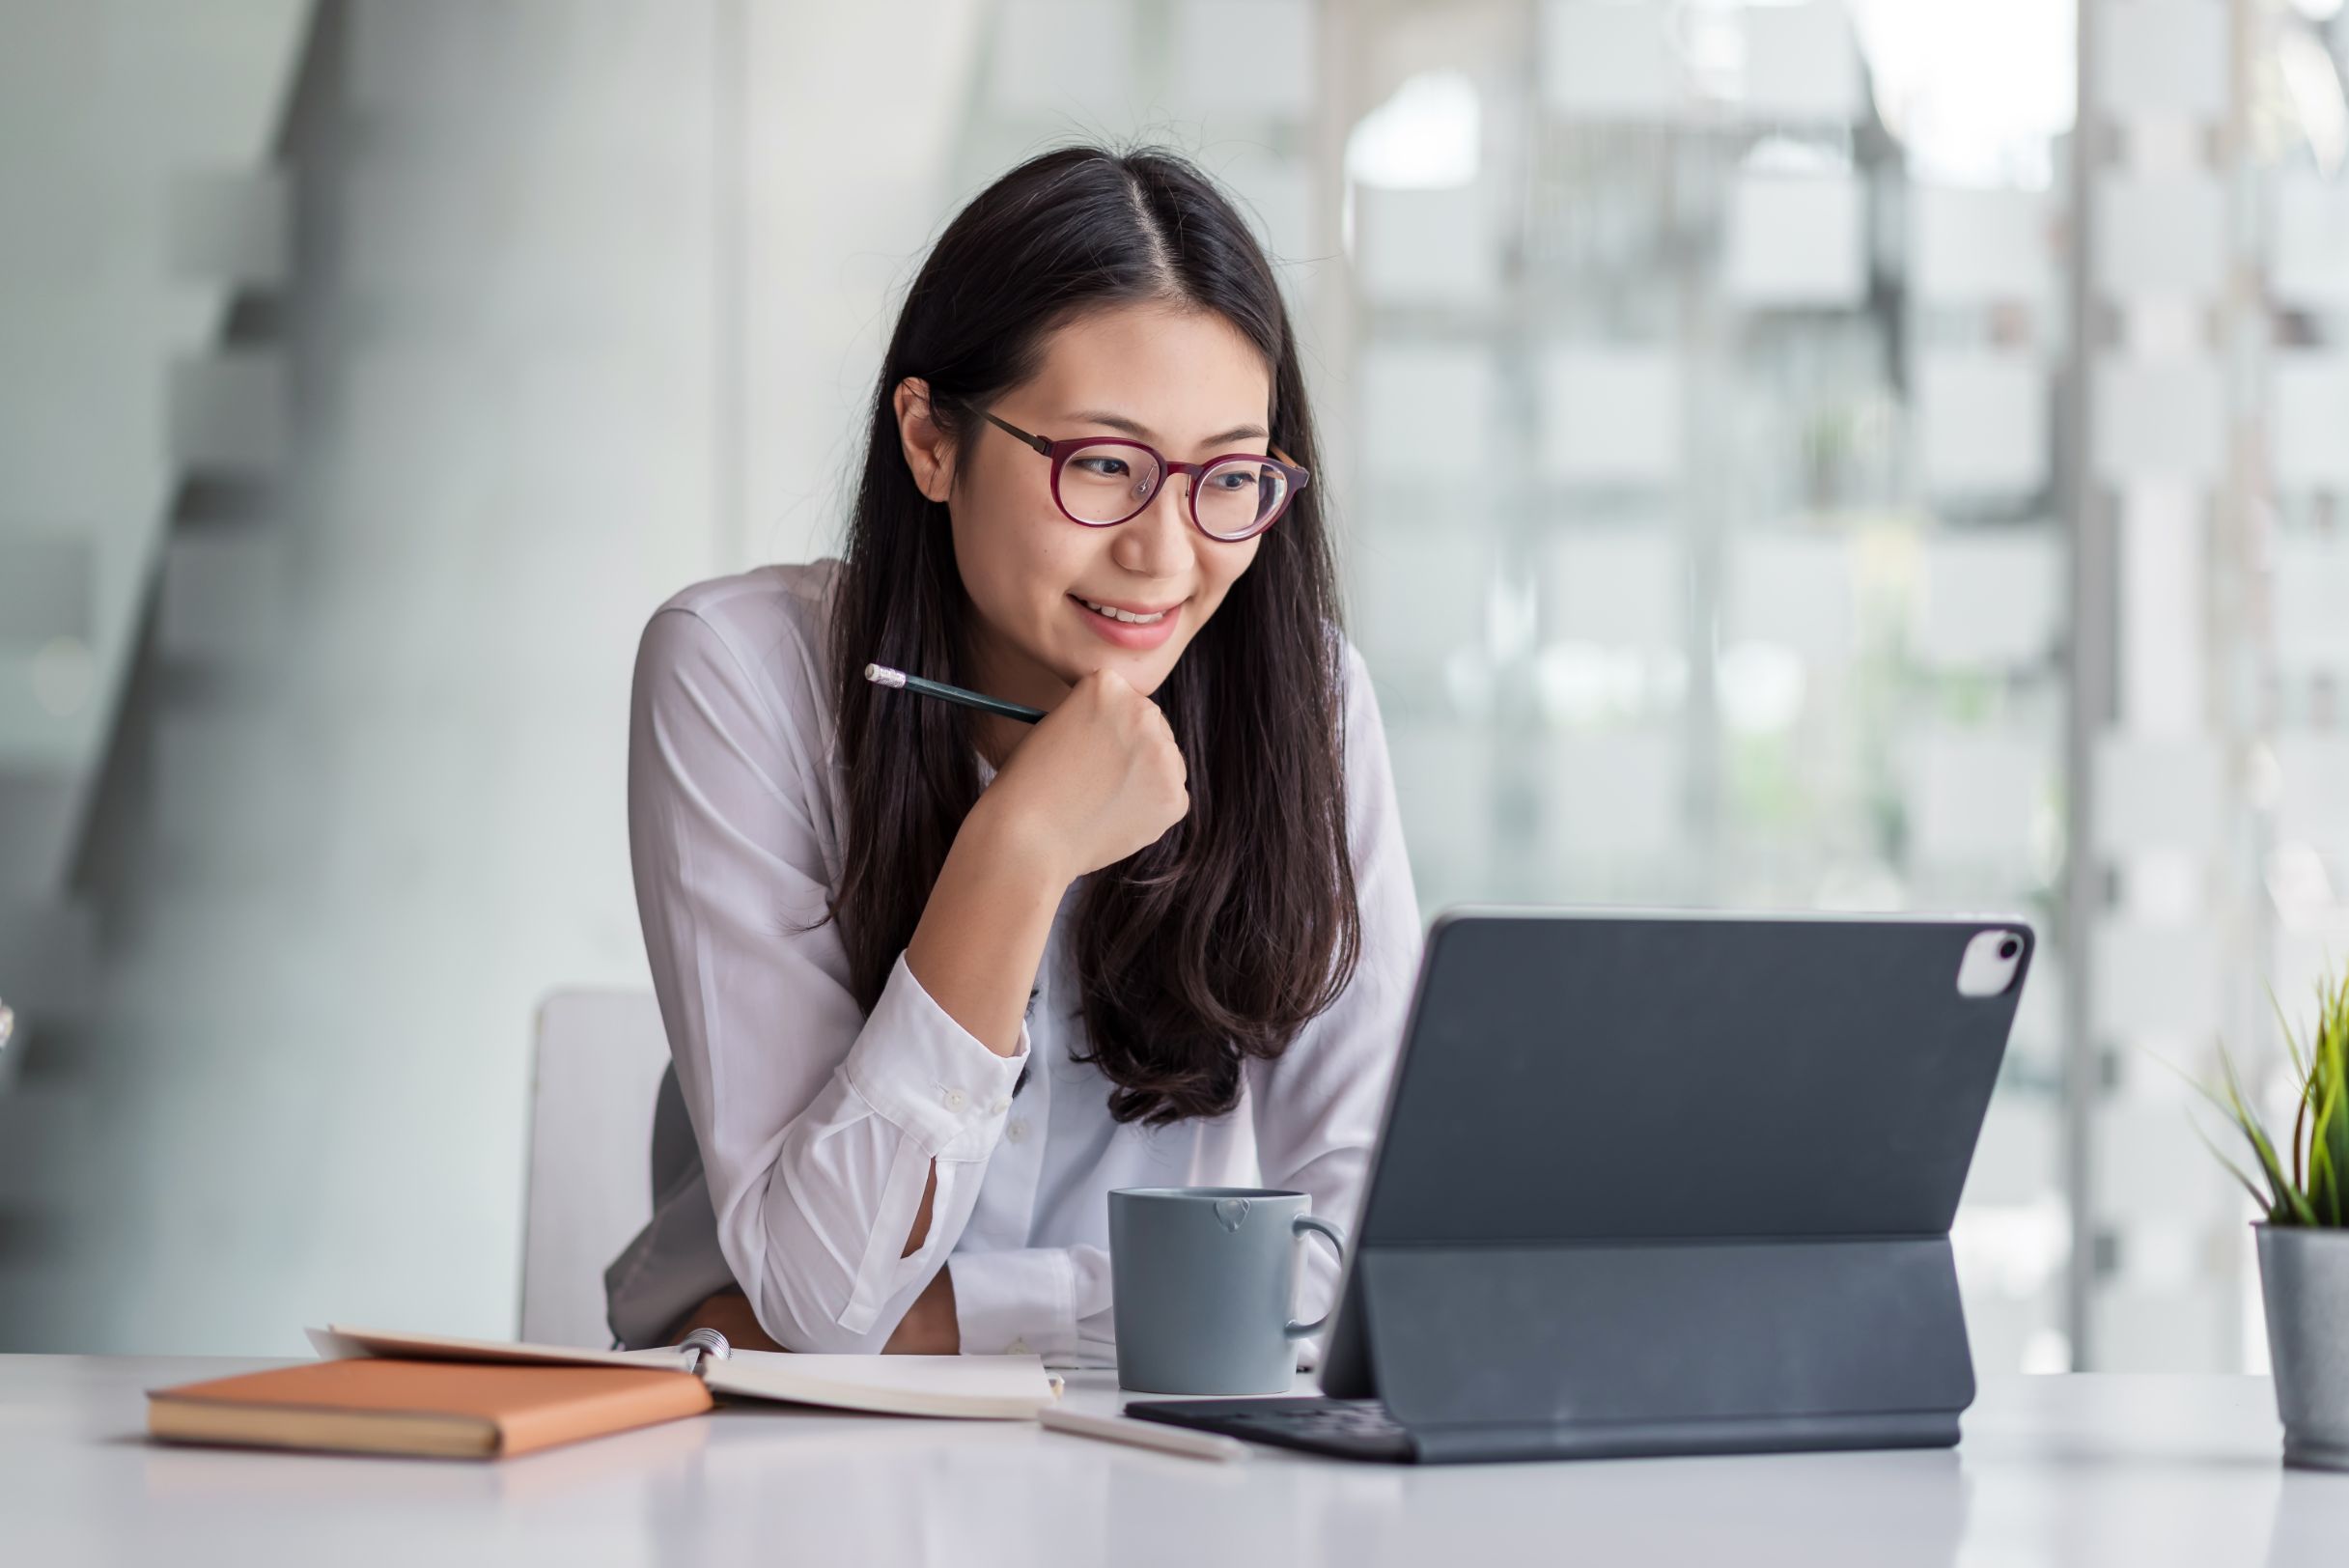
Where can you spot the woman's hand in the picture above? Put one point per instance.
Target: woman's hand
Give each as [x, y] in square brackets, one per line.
[1099, 778]
[929, 1327]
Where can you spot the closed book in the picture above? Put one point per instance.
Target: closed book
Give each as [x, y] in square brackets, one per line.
[466, 1409]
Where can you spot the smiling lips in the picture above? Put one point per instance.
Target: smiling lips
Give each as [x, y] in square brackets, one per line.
[1129, 626]
[1133, 614]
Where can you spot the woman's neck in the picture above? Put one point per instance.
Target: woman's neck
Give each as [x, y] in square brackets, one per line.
[996, 736]
[1013, 676]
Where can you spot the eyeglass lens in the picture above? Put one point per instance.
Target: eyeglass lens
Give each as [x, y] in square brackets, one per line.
[1109, 483]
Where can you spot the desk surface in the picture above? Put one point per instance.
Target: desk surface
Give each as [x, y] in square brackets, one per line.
[2058, 1470]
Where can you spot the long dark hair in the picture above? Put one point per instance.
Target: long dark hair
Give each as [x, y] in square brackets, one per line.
[1218, 942]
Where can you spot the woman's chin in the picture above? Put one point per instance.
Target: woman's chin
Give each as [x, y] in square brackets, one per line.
[1142, 671]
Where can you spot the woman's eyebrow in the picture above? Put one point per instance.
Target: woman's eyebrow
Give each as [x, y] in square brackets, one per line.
[1143, 433]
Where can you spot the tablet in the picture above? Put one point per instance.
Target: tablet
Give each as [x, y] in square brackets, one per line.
[1617, 1075]
[1663, 1182]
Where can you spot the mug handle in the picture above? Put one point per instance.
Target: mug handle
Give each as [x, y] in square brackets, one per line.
[1336, 1238]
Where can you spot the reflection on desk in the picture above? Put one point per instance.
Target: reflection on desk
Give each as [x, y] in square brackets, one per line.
[2062, 1469]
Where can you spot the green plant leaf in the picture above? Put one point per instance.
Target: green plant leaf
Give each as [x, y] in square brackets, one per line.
[2285, 1202]
[2328, 1157]
[2267, 1206]
[2329, 1091]
[2291, 1041]
[2288, 1197]
[2300, 1076]
[2270, 1202]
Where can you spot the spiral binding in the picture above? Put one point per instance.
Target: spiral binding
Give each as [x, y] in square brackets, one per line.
[707, 1345]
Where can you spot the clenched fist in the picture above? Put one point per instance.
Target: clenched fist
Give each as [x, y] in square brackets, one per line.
[1099, 778]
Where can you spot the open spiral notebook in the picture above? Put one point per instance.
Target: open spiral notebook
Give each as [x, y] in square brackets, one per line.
[980, 1387]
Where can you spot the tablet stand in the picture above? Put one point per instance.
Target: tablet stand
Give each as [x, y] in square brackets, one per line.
[1600, 1349]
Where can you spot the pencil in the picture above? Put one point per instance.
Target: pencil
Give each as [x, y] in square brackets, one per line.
[1172, 1439]
[883, 676]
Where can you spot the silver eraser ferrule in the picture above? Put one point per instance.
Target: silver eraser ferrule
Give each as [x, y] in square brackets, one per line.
[883, 675]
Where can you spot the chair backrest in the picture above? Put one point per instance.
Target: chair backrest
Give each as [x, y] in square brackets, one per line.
[595, 1073]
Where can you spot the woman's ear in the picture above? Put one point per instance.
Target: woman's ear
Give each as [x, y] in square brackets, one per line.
[929, 450]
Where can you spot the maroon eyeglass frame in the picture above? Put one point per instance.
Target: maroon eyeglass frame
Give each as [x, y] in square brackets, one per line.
[1060, 451]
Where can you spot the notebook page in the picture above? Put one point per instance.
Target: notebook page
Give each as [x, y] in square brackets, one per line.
[996, 1388]
[999, 1387]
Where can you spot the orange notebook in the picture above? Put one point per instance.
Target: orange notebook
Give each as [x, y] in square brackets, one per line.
[438, 1409]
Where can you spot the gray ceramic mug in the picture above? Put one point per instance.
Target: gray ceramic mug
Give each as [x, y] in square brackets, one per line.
[1201, 1279]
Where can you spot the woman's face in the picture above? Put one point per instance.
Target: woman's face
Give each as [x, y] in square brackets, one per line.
[1185, 381]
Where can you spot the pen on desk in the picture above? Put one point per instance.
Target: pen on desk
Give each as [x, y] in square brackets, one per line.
[881, 674]
[1171, 1440]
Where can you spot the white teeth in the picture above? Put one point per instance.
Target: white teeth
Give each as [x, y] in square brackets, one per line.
[1126, 616]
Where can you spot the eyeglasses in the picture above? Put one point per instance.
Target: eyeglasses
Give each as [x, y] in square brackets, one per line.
[1101, 480]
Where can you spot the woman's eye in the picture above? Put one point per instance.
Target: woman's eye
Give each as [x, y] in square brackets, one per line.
[1107, 467]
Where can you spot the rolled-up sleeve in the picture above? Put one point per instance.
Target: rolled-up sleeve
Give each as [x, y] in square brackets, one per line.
[1051, 1301]
[818, 1126]
[1317, 1105]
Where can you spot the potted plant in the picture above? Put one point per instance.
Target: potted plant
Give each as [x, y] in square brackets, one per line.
[2303, 1241]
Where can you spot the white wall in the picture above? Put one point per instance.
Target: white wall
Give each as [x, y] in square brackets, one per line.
[369, 808]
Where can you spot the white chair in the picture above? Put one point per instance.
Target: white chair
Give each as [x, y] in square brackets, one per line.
[596, 1072]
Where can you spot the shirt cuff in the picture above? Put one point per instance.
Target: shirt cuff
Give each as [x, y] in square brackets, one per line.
[928, 1074]
[1016, 1302]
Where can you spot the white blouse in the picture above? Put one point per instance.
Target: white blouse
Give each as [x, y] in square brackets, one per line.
[814, 1126]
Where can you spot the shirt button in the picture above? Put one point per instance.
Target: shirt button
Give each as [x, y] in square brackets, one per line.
[1017, 1132]
[955, 1100]
[1018, 1347]
[1000, 1106]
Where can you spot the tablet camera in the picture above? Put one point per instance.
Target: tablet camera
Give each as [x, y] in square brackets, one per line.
[1992, 960]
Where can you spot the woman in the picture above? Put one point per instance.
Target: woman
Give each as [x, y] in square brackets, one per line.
[935, 981]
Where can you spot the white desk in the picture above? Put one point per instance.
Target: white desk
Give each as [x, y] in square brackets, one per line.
[2126, 1471]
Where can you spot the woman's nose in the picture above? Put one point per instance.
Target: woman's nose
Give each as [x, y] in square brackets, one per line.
[1155, 542]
